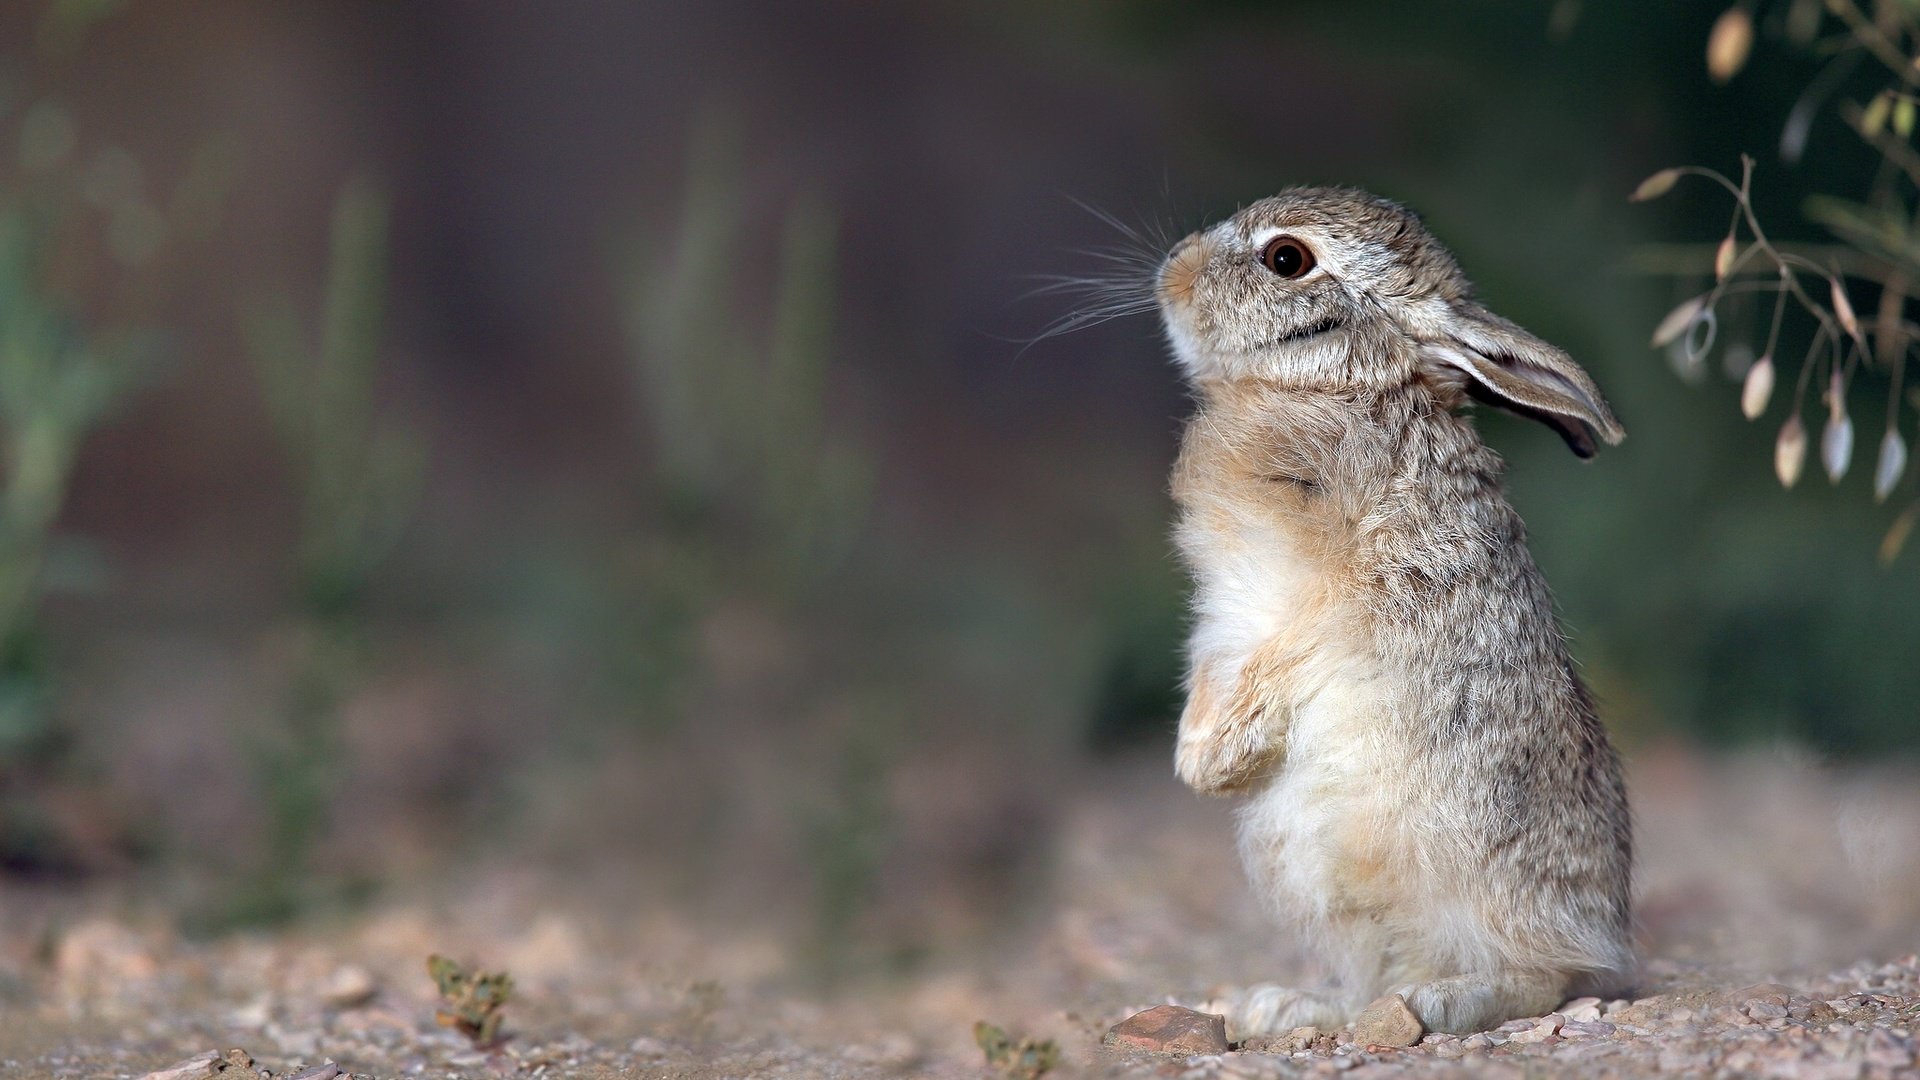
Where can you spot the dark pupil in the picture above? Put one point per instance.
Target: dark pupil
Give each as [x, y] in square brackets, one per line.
[1286, 260]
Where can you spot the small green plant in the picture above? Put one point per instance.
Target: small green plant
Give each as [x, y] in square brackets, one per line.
[59, 378]
[82, 231]
[471, 1003]
[736, 402]
[848, 838]
[753, 496]
[359, 479]
[1027, 1058]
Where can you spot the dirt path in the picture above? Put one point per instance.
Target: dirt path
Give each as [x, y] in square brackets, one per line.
[1780, 903]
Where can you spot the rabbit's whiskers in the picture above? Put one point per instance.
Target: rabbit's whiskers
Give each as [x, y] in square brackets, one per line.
[1126, 289]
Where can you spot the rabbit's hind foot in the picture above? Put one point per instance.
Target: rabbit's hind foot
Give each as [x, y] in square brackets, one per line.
[1464, 1004]
[1269, 1009]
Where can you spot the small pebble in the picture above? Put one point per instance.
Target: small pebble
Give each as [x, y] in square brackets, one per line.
[1387, 1022]
[1293, 1042]
[193, 1068]
[1889, 1051]
[1586, 1008]
[1771, 993]
[1594, 1029]
[351, 986]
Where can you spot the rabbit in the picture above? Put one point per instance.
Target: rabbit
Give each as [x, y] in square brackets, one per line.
[1375, 669]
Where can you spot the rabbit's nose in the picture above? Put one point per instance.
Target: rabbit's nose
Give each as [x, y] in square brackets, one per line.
[1182, 269]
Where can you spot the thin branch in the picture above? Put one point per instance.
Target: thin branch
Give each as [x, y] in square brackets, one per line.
[1875, 42]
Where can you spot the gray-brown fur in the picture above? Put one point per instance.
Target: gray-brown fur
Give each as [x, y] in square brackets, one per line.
[1376, 668]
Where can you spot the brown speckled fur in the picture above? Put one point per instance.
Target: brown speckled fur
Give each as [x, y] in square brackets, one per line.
[1376, 670]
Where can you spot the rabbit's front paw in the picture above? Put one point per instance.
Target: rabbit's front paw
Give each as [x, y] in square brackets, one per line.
[1270, 1009]
[1464, 1004]
[1221, 761]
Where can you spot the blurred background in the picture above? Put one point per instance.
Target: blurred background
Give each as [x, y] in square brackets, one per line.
[609, 437]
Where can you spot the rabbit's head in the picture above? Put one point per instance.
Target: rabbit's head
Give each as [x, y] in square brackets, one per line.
[1342, 290]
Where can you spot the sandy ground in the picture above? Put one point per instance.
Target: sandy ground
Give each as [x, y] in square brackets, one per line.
[1765, 869]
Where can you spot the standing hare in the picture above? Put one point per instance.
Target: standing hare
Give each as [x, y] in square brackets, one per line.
[1376, 671]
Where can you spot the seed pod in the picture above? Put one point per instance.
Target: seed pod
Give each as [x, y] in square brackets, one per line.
[1723, 258]
[1790, 451]
[1729, 43]
[1893, 462]
[1874, 119]
[1836, 444]
[1678, 321]
[1757, 390]
[1655, 186]
[1843, 310]
[1897, 534]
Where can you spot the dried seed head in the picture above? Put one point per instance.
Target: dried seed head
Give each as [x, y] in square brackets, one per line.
[1678, 321]
[1843, 310]
[1655, 186]
[1836, 445]
[1892, 463]
[1758, 388]
[1790, 451]
[1723, 258]
[1729, 43]
[1897, 534]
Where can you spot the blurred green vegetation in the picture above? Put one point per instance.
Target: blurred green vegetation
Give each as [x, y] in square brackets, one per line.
[743, 449]
[835, 537]
[757, 500]
[848, 835]
[359, 475]
[73, 216]
[58, 380]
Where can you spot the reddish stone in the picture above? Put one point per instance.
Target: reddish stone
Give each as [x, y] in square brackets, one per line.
[1170, 1029]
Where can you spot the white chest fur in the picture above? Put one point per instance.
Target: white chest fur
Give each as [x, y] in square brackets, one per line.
[1249, 579]
[1317, 833]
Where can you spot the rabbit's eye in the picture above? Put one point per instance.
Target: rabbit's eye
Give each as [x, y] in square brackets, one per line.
[1287, 257]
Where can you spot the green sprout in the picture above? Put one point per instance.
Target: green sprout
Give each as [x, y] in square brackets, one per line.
[471, 1003]
[1023, 1059]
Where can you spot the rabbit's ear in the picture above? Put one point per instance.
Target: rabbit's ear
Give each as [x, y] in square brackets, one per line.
[1513, 370]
